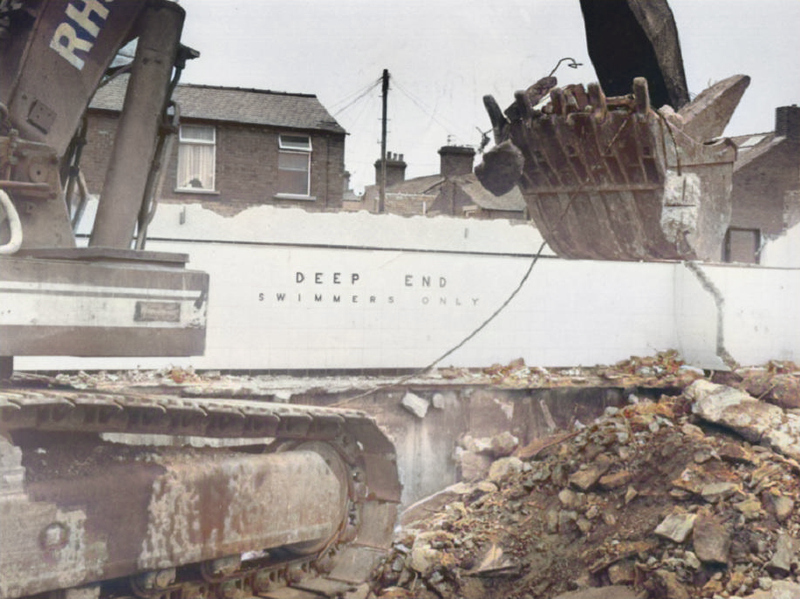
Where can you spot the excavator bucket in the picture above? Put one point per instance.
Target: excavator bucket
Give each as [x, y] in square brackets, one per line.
[638, 175]
[613, 179]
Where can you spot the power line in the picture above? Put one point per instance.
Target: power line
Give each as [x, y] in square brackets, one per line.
[355, 93]
[360, 95]
[449, 128]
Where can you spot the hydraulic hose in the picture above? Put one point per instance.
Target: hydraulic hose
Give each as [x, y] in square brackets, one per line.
[14, 224]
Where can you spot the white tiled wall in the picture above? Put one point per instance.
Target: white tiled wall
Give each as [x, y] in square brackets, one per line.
[434, 281]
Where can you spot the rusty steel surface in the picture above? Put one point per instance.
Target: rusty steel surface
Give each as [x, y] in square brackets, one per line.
[612, 178]
[311, 513]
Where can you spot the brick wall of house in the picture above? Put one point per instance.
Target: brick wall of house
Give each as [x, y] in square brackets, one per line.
[765, 191]
[762, 190]
[246, 166]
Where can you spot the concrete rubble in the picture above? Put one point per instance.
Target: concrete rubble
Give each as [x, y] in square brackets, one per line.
[688, 496]
[415, 404]
[664, 369]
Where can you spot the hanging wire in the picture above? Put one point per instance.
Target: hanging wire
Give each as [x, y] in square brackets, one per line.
[480, 327]
[355, 119]
[449, 128]
[355, 93]
[572, 64]
[361, 94]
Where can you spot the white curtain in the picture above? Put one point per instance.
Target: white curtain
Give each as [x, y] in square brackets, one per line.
[196, 156]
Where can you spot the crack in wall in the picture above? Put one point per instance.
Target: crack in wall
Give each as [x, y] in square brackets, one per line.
[719, 301]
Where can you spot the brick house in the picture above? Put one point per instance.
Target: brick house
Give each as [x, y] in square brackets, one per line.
[454, 191]
[766, 187]
[236, 147]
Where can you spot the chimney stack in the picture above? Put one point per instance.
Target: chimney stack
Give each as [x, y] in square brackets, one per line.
[787, 122]
[456, 160]
[395, 169]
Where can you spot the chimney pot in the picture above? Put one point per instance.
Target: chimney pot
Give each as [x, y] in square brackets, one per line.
[395, 169]
[787, 122]
[456, 160]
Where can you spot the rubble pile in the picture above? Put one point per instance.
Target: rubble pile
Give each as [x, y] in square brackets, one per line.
[690, 496]
[664, 369]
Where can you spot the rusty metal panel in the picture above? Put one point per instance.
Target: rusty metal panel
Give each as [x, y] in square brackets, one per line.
[383, 485]
[95, 511]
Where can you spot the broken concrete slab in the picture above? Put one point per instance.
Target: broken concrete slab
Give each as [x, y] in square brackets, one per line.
[503, 468]
[756, 421]
[784, 556]
[783, 390]
[424, 507]
[780, 589]
[716, 491]
[783, 507]
[504, 444]
[415, 404]
[586, 478]
[472, 466]
[616, 479]
[711, 540]
[497, 446]
[676, 527]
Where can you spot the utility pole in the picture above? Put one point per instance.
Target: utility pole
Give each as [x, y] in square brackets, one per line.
[382, 197]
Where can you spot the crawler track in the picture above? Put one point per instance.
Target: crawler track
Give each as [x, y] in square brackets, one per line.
[199, 510]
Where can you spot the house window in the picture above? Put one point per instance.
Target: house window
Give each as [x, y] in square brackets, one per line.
[742, 245]
[196, 158]
[294, 165]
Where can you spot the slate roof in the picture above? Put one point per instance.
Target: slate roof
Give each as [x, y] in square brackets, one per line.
[750, 147]
[234, 105]
[423, 188]
[407, 197]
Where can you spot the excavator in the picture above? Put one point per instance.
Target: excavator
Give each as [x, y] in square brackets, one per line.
[99, 498]
[629, 167]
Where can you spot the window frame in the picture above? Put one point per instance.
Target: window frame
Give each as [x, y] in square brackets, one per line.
[184, 140]
[727, 246]
[285, 146]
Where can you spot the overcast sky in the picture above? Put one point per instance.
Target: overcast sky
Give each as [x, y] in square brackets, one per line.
[444, 55]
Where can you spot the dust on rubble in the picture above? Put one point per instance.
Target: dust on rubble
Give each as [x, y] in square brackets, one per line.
[658, 499]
